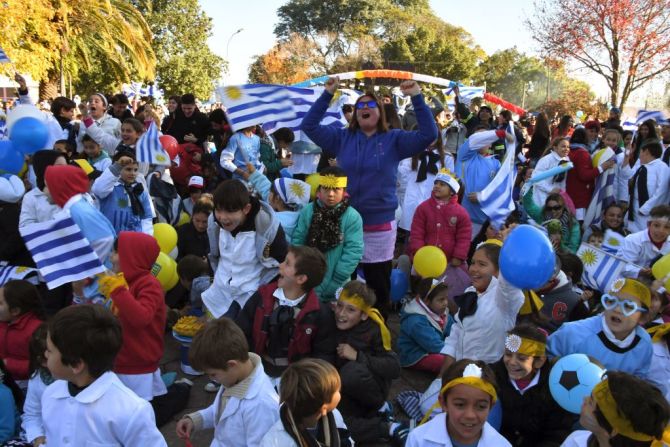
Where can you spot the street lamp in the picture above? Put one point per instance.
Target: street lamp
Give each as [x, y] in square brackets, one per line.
[231, 38]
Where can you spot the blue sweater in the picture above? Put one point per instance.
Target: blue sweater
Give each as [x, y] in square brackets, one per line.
[418, 337]
[371, 163]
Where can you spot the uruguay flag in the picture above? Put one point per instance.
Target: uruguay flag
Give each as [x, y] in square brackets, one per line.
[10, 272]
[496, 200]
[251, 104]
[4, 59]
[61, 251]
[656, 115]
[149, 148]
[600, 268]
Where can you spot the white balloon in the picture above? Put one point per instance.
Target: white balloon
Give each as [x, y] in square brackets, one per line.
[22, 111]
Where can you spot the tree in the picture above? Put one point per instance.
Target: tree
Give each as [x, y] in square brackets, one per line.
[185, 63]
[286, 63]
[623, 41]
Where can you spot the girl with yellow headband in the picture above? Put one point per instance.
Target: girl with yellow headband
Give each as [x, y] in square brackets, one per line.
[366, 364]
[622, 411]
[468, 393]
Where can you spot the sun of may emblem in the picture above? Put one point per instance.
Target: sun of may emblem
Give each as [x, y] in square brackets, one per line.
[613, 242]
[233, 92]
[297, 189]
[588, 257]
[160, 157]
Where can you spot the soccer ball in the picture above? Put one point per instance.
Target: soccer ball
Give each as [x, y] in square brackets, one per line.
[572, 379]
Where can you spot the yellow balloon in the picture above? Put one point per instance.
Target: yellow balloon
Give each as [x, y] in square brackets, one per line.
[430, 261]
[313, 181]
[661, 268]
[166, 236]
[165, 270]
[183, 219]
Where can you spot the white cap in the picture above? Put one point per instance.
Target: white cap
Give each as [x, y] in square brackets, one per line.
[196, 181]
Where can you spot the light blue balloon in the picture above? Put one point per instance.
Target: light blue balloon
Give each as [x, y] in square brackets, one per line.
[527, 258]
[29, 135]
[495, 416]
[399, 285]
[11, 160]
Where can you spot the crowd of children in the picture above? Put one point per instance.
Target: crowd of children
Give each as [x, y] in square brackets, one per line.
[291, 278]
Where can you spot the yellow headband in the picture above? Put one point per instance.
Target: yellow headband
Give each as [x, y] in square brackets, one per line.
[634, 288]
[525, 346]
[659, 332]
[472, 376]
[531, 302]
[497, 242]
[330, 181]
[607, 405]
[371, 312]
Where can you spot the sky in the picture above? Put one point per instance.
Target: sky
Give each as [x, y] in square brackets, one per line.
[501, 27]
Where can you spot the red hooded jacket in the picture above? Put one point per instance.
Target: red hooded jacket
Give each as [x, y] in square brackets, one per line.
[444, 225]
[14, 340]
[64, 182]
[187, 166]
[580, 180]
[140, 307]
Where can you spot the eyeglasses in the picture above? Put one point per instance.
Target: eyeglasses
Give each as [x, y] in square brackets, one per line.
[627, 307]
[553, 208]
[369, 104]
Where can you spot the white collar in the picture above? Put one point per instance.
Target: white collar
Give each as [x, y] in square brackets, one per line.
[283, 301]
[532, 383]
[91, 393]
[626, 342]
[558, 157]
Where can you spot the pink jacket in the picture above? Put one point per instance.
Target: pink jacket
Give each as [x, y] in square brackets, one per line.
[447, 226]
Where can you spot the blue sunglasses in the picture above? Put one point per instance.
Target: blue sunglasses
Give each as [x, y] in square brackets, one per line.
[627, 307]
[370, 104]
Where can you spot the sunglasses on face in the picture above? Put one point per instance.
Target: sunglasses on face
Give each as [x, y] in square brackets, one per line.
[553, 208]
[369, 104]
[627, 307]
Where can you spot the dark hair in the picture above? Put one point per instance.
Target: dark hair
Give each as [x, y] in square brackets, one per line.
[578, 136]
[653, 147]
[309, 262]
[231, 195]
[284, 134]
[557, 197]
[361, 289]
[625, 133]
[392, 118]
[118, 99]
[425, 292]
[217, 343]
[564, 124]
[69, 147]
[85, 139]
[22, 295]
[492, 252]
[660, 212]
[597, 232]
[175, 98]
[202, 208]
[381, 124]
[530, 331]
[218, 116]
[188, 98]
[650, 124]
[456, 370]
[639, 402]
[36, 348]
[135, 123]
[506, 114]
[572, 266]
[60, 103]
[191, 267]
[347, 108]
[123, 153]
[87, 333]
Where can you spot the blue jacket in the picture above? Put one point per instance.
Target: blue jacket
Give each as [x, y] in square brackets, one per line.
[371, 163]
[418, 337]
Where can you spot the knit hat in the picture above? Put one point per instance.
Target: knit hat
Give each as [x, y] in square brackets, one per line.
[196, 182]
[292, 191]
[446, 176]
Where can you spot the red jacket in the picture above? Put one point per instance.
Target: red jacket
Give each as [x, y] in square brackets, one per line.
[187, 166]
[140, 307]
[447, 226]
[14, 339]
[581, 179]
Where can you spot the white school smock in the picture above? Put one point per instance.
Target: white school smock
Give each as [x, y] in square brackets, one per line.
[104, 414]
[434, 433]
[659, 370]
[639, 251]
[277, 436]
[544, 187]
[31, 421]
[658, 180]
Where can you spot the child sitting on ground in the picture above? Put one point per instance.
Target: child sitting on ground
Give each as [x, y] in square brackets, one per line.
[468, 388]
[194, 276]
[136, 298]
[123, 199]
[641, 248]
[623, 410]
[424, 324]
[531, 417]
[247, 244]
[284, 321]
[246, 406]
[309, 395]
[286, 196]
[95, 155]
[330, 225]
[614, 338]
[82, 343]
[366, 364]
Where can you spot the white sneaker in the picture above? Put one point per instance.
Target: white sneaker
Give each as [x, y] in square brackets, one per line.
[212, 387]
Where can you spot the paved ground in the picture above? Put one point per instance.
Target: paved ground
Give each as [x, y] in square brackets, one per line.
[200, 398]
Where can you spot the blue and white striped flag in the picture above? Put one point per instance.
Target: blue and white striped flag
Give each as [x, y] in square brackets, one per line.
[612, 241]
[4, 59]
[496, 199]
[603, 193]
[656, 115]
[251, 104]
[60, 251]
[600, 268]
[149, 149]
[10, 272]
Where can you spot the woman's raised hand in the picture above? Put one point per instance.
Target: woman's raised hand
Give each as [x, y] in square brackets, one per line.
[332, 84]
[410, 88]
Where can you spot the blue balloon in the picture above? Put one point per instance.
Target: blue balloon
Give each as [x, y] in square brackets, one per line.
[29, 135]
[11, 160]
[399, 285]
[527, 258]
[495, 416]
[572, 378]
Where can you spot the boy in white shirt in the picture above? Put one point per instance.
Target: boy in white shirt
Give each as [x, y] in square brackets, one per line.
[247, 405]
[642, 248]
[88, 404]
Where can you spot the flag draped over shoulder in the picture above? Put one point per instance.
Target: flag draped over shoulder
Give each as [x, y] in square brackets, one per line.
[10, 272]
[600, 268]
[149, 149]
[496, 199]
[251, 104]
[61, 251]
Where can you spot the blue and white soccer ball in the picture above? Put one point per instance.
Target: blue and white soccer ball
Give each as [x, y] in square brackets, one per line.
[572, 379]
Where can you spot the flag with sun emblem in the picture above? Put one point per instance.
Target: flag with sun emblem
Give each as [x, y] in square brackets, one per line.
[251, 104]
[600, 268]
[149, 148]
[612, 241]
